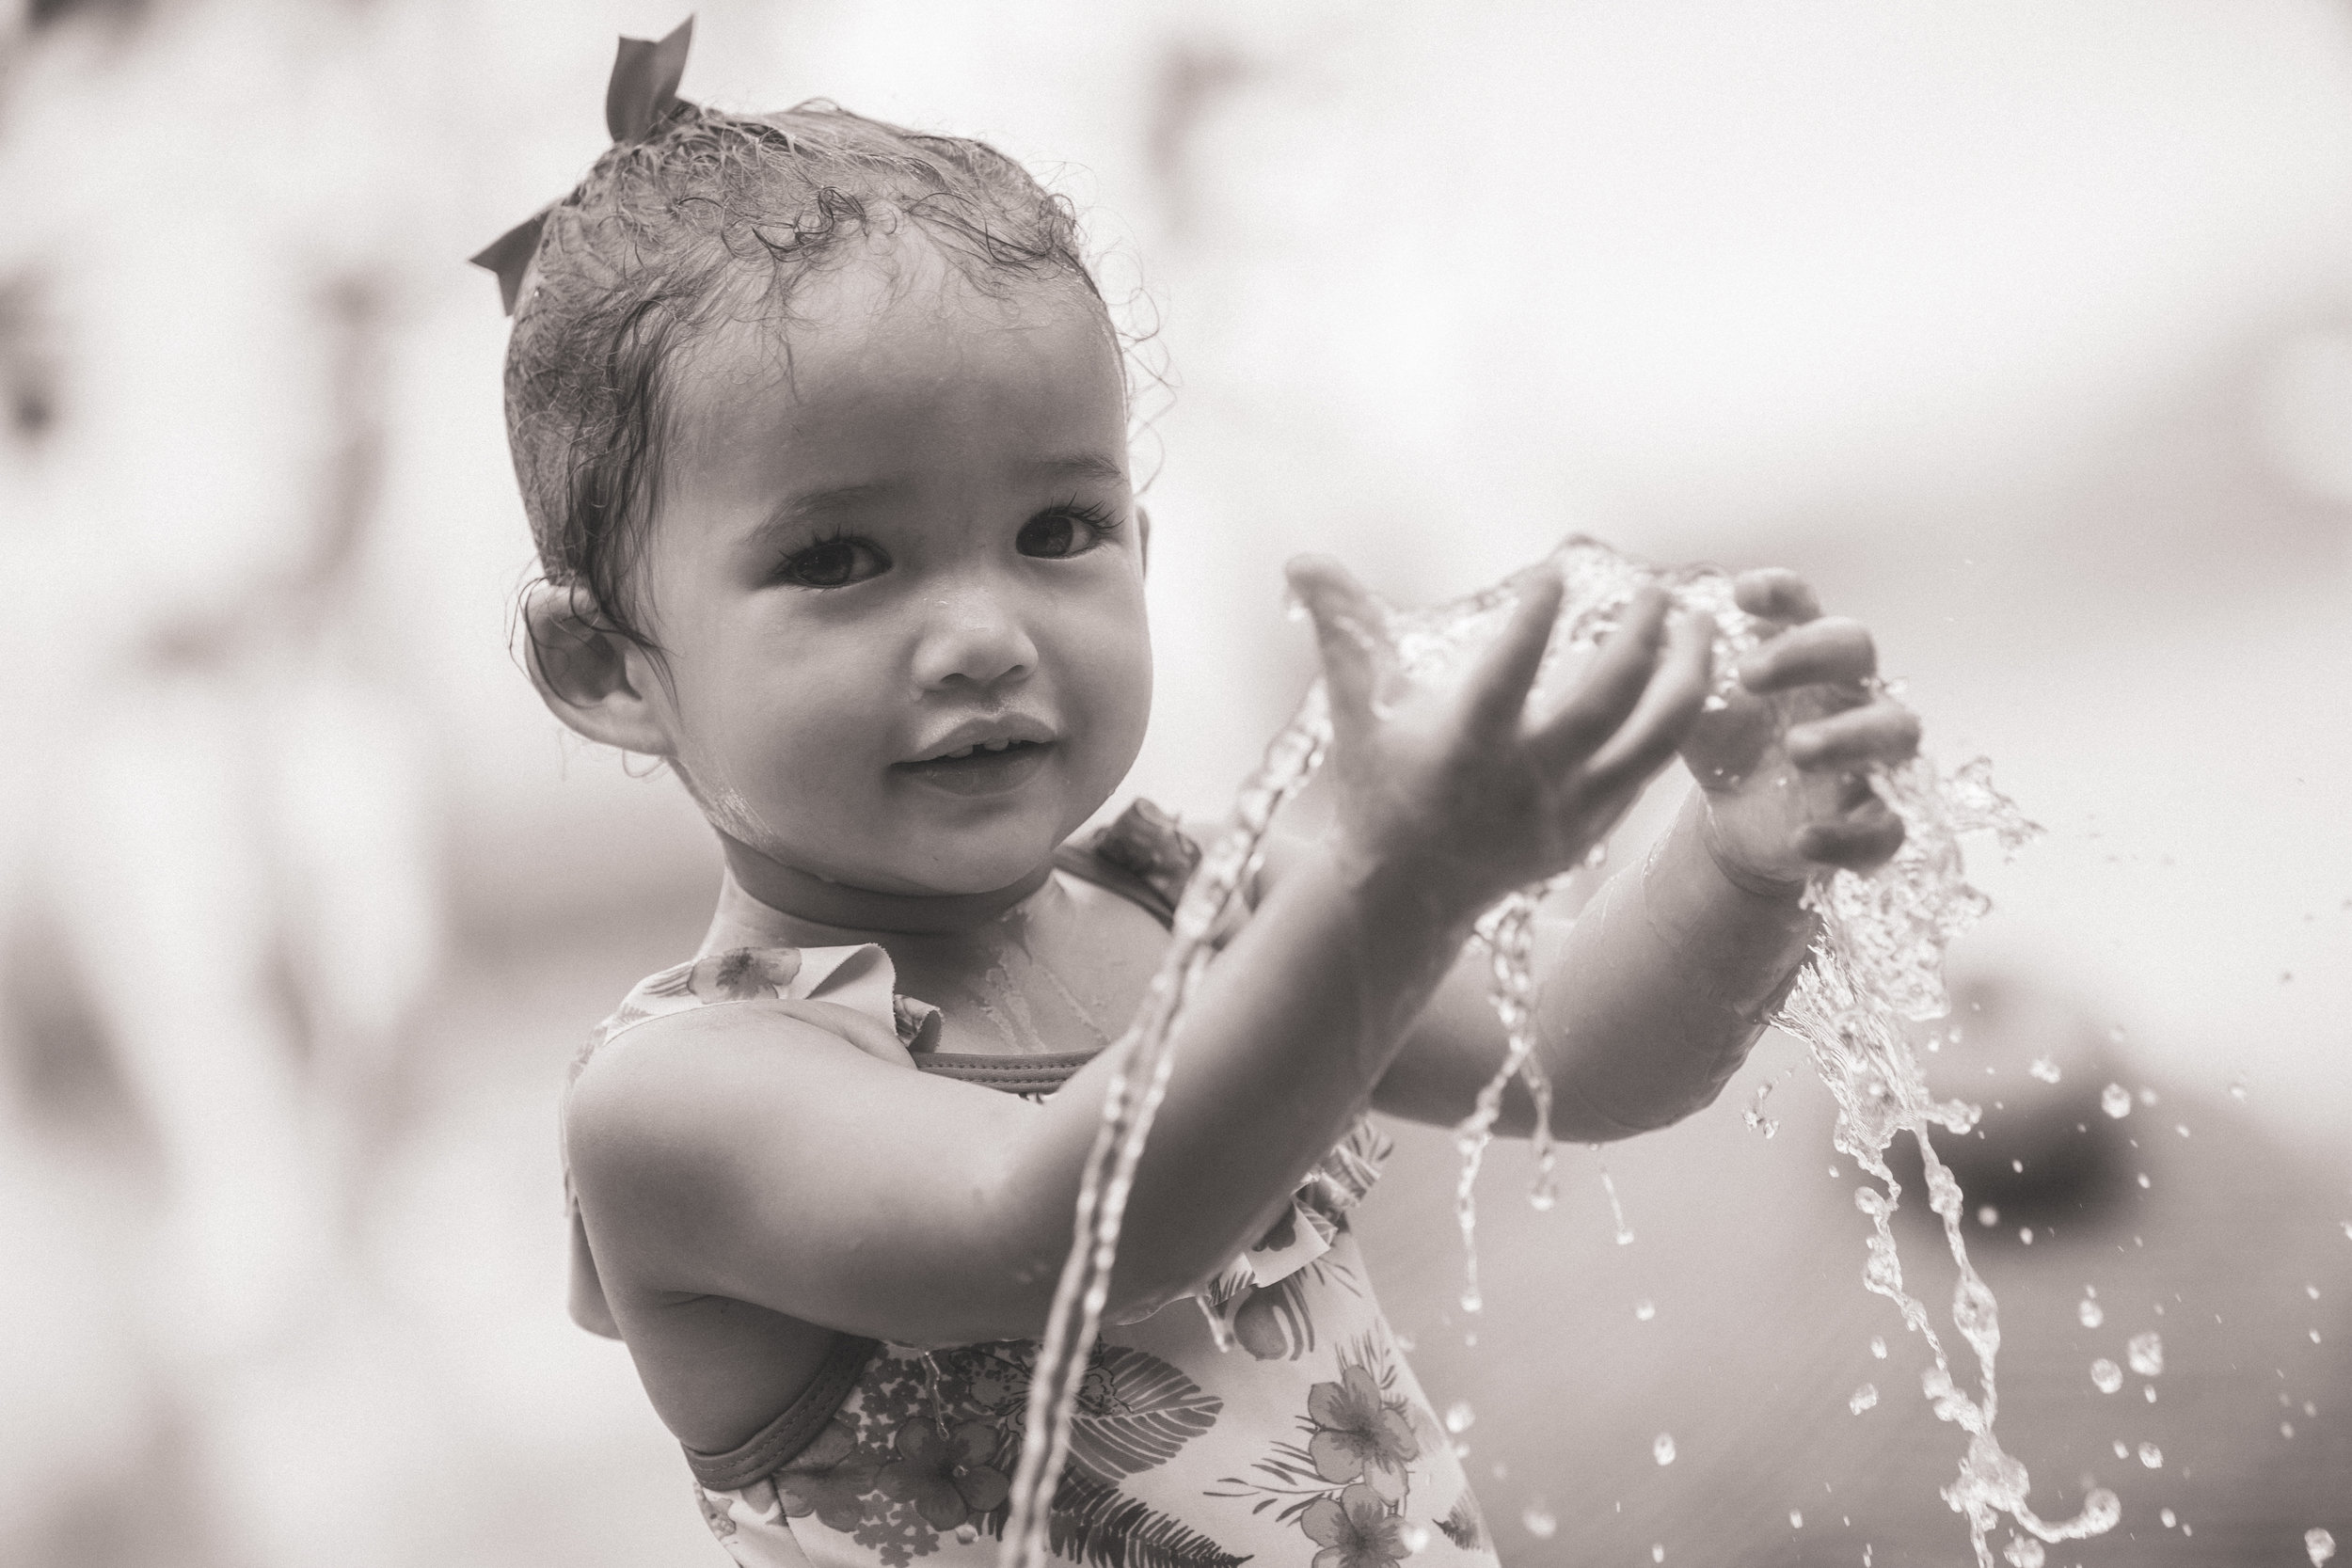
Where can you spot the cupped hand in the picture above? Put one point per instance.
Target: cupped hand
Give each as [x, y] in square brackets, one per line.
[1457, 785]
[1785, 764]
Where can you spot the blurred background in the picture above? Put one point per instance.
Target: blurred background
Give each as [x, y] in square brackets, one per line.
[2023, 327]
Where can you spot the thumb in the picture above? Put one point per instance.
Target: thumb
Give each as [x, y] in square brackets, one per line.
[1348, 632]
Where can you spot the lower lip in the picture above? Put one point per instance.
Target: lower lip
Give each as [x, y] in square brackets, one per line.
[981, 773]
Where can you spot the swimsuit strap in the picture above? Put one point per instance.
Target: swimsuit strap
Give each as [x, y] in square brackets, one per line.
[1142, 856]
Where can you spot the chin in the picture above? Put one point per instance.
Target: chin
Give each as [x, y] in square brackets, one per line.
[974, 858]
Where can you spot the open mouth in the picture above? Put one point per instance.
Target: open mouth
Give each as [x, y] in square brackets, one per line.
[984, 768]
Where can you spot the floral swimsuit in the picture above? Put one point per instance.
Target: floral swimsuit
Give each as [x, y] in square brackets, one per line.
[1309, 1441]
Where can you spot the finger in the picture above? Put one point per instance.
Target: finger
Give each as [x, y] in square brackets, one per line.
[1670, 706]
[1347, 633]
[1498, 682]
[1833, 651]
[1859, 841]
[1776, 593]
[1881, 732]
[1611, 687]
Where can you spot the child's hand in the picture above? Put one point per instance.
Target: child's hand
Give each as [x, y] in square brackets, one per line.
[1784, 803]
[1460, 787]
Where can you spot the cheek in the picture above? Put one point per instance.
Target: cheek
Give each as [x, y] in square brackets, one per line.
[783, 733]
[1112, 665]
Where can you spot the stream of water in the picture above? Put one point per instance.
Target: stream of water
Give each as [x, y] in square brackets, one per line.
[1876, 964]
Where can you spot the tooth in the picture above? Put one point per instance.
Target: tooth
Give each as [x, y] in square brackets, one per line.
[994, 745]
[955, 755]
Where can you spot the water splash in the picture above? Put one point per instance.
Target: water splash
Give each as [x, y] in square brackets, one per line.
[1132, 1099]
[1876, 966]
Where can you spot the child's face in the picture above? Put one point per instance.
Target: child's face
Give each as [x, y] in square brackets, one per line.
[898, 576]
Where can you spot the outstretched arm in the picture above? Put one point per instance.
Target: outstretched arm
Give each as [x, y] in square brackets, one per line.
[1651, 1000]
[776, 1157]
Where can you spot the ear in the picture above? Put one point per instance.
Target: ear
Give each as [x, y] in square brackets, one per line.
[598, 681]
[1143, 536]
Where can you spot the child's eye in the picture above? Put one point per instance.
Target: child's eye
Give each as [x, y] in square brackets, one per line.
[1066, 530]
[833, 564]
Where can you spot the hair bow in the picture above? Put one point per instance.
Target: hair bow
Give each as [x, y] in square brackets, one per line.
[640, 96]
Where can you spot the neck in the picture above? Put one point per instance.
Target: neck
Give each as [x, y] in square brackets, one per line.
[784, 904]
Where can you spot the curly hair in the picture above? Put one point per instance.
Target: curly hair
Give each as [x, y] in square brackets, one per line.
[712, 216]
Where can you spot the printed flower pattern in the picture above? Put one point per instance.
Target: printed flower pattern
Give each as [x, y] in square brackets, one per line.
[827, 1478]
[1355, 1530]
[1359, 1435]
[947, 1478]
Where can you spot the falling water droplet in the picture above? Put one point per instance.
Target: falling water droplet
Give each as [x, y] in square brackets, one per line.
[1644, 1310]
[2151, 1456]
[1458, 1416]
[1796, 1519]
[2045, 1070]
[2091, 1312]
[1988, 1217]
[2146, 1352]
[1864, 1398]
[2147, 1095]
[2238, 1090]
[1539, 1521]
[1656, 1552]
[1415, 1536]
[1472, 1301]
[2168, 1517]
[1663, 1451]
[2106, 1375]
[2319, 1545]
[2024, 1234]
[1877, 1346]
[2116, 1100]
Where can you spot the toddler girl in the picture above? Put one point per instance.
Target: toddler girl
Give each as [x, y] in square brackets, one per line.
[823, 431]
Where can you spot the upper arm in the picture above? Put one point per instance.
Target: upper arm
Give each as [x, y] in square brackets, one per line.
[1457, 1044]
[745, 1152]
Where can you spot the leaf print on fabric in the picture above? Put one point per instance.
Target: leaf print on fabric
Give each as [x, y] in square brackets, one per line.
[1464, 1525]
[1134, 1412]
[1273, 1323]
[1091, 1522]
[1355, 1531]
[1359, 1435]
[827, 1478]
[948, 1478]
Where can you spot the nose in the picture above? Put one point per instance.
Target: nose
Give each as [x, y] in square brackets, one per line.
[973, 636]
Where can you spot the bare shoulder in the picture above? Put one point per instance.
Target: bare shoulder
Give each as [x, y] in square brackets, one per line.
[667, 1095]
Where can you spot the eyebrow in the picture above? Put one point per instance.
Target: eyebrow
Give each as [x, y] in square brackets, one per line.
[1086, 464]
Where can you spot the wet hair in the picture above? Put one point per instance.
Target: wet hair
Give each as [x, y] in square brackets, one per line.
[717, 217]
